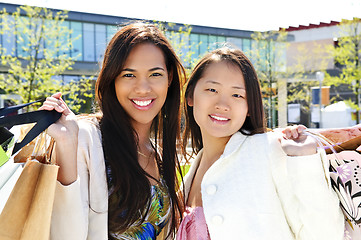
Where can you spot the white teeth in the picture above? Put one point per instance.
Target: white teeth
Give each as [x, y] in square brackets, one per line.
[142, 103]
[219, 118]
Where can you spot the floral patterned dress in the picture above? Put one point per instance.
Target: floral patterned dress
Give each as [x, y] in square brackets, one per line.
[156, 219]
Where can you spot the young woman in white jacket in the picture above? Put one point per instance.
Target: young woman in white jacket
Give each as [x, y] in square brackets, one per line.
[246, 183]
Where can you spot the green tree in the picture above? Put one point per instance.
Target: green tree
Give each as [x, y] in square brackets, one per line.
[307, 60]
[36, 47]
[304, 61]
[179, 37]
[347, 58]
[269, 58]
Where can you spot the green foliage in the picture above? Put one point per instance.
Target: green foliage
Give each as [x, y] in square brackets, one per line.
[79, 94]
[179, 37]
[308, 60]
[40, 51]
[347, 57]
[268, 56]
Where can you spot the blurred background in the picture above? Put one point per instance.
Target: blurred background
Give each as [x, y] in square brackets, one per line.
[306, 54]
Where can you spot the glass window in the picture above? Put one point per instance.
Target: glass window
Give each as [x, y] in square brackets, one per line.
[41, 48]
[246, 47]
[111, 30]
[212, 45]
[37, 38]
[9, 40]
[58, 79]
[69, 78]
[64, 39]
[221, 41]
[175, 39]
[235, 42]
[100, 41]
[185, 42]
[1, 34]
[280, 50]
[260, 55]
[22, 42]
[88, 39]
[194, 41]
[185, 49]
[203, 47]
[50, 40]
[76, 36]
[168, 34]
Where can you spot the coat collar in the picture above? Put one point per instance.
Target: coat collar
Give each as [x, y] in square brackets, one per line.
[233, 144]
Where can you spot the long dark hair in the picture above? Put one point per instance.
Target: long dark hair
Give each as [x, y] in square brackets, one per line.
[129, 186]
[254, 123]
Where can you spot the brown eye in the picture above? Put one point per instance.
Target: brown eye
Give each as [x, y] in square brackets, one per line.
[128, 75]
[237, 96]
[156, 74]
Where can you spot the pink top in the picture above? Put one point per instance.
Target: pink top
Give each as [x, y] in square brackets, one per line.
[193, 225]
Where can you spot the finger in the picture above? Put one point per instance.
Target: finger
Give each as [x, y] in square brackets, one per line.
[286, 133]
[46, 107]
[298, 131]
[295, 133]
[301, 128]
[56, 95]
[67, 111]
[53, 105]
[51, 100]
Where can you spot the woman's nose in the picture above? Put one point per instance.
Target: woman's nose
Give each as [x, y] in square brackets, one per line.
[142, 86]
[222, 104]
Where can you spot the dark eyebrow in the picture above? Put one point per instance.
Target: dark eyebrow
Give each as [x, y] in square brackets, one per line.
[128, 70]
[241, 88]
[235, 87]
[152, 69]
[211, 81]
[156, 68]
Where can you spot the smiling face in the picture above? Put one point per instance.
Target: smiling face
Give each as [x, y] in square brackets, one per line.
[142, 85]
[219, 100]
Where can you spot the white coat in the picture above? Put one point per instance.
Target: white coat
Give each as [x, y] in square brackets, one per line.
[255, 191]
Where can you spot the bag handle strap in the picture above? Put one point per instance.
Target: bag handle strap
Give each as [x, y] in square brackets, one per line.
[43, 119]
[4, 135]
[7, 110]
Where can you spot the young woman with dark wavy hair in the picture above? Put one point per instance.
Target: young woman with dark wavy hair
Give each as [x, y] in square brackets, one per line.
[117, 177]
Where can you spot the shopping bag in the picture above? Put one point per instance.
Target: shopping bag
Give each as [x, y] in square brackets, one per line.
[9, 174]
[27, 212]
[345, 174]
[6, 144]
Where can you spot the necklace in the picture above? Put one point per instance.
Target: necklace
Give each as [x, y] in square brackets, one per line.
[145, 156]
[142, 154]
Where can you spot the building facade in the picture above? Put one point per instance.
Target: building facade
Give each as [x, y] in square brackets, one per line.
[312, 47]
[92, 32]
